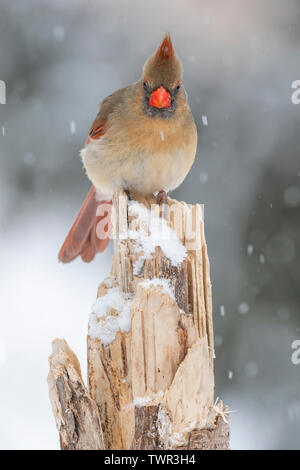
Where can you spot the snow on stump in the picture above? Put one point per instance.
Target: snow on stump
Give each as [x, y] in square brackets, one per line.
[150, 339]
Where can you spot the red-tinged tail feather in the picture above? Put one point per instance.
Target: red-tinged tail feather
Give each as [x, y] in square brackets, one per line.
[82, 239]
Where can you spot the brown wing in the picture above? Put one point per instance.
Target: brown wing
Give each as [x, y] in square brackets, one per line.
[82, 239]
[97, 130]
[106, 107]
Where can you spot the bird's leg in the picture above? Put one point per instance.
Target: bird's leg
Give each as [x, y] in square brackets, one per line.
[162, 198]
[126, 191]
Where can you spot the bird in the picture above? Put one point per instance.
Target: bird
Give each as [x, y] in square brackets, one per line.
[143, 140]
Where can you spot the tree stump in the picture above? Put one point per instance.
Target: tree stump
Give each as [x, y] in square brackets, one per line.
[150, 341]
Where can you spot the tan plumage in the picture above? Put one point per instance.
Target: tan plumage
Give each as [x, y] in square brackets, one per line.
[140, 147]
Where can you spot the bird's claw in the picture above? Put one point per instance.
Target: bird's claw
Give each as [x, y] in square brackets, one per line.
[162, 198]
[130, 198]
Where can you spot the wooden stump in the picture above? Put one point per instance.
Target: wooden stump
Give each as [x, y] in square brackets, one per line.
[76, 413]
[150, 342]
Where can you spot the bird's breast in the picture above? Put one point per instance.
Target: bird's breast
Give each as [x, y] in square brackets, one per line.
[144, 158]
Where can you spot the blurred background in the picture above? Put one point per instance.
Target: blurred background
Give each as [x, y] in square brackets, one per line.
[59, 59]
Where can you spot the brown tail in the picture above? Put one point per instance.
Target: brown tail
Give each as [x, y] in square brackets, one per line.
[82, 239]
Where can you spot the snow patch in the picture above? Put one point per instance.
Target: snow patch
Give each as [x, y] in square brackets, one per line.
[108, 282]
[158, 234]
[164, 283]
[104, 325]
[141, 401]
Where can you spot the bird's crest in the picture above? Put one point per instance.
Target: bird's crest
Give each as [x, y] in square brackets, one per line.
[163, 67]
[165, 50]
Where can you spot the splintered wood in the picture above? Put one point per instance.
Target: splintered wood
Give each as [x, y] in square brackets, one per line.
[75, 412]
[154, 385]
[150, 341]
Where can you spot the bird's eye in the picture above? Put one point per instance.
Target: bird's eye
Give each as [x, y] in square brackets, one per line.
[178, 86]
[145, 85]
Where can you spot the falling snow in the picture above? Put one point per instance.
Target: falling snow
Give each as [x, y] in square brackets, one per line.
[73, 127]
[218, 340]
[59, 32]
[203, 177]
[250, 250]
[204, 121]
[243, 308]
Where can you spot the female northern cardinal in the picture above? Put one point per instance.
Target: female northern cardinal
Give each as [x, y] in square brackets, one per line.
[143, 140]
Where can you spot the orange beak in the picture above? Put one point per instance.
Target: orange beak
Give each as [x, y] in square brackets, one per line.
[160, 98]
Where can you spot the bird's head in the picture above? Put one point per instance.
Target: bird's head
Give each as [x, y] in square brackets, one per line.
[161, 80]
